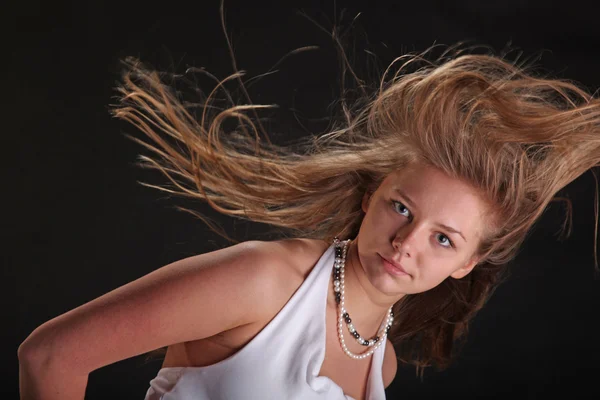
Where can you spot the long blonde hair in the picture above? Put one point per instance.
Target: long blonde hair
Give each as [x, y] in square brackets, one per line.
[515, 137]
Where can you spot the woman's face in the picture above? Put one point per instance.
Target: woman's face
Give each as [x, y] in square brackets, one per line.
[404, 224]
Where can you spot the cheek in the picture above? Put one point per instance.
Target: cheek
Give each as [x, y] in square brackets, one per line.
[378, 221]
[381, 212]
[435, 271]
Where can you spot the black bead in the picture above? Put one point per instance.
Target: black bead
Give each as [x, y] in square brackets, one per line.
[356, 335]
[365, 343]
[348, 320]
[376, 339]
[345, 315]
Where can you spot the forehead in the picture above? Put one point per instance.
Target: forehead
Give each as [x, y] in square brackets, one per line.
[425, 176]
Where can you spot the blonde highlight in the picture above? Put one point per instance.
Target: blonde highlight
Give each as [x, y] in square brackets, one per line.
[517, 138]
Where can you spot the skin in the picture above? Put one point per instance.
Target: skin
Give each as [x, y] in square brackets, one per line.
[407, 234]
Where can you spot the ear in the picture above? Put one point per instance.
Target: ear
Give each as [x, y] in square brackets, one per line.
[464, 271]
[365, 201]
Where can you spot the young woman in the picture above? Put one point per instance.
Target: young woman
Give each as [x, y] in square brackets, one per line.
[403, 221]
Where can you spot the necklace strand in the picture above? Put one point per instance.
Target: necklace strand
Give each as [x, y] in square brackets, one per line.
[343, 316]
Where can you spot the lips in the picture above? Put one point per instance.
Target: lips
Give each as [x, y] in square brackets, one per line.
[394, 267]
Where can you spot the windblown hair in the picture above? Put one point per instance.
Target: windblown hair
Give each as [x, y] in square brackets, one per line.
[516, 138]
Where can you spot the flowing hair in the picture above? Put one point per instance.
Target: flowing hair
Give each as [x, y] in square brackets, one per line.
[515, 137]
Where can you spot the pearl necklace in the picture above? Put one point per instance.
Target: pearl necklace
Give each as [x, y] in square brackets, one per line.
[343, 316]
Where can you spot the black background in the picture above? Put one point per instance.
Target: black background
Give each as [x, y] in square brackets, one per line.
[77, 224]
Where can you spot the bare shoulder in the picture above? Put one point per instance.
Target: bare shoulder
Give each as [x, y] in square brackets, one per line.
[300, 254]
[390, 364]
[287, 264]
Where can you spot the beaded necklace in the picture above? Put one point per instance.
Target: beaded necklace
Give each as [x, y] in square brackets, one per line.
[343, 316]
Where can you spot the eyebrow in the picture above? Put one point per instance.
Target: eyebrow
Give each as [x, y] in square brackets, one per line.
[412, 204]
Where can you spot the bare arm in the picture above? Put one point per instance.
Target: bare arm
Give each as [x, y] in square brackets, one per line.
[190, 299]
[39, 380]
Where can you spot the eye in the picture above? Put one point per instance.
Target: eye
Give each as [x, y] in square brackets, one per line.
[449, 245]
[400, 208]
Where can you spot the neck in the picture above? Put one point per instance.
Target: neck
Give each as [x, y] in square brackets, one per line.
[366, 305]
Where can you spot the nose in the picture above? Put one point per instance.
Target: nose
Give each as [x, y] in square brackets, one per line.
[404, 240]
[400, 247]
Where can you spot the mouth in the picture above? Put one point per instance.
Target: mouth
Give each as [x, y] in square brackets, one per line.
[392, 267]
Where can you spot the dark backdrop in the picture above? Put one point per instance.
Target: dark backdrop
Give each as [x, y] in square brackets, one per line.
[77, 224]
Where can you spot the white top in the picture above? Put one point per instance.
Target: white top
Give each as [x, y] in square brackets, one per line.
[281, 362]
